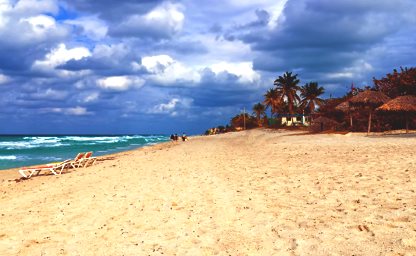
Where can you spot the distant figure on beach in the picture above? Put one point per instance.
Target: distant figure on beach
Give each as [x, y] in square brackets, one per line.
[184, 138]
[172, 137]
[176, 137]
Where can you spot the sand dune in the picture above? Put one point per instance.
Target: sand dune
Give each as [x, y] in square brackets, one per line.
[249, 193]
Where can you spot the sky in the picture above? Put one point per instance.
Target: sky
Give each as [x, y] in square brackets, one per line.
[160, 67]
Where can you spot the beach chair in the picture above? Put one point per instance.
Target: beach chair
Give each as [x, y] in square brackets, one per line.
[87, 160]
[76, 162]
[28, 172]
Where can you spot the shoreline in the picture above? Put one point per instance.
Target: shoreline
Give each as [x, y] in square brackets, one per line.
[257, 192]
[9, 174]
[8, 170]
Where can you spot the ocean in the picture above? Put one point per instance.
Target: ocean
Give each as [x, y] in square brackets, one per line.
[17, 151]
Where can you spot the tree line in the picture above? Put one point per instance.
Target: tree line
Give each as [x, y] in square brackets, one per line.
[288, 98]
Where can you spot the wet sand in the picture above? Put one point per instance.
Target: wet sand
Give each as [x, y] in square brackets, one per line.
[257, 192]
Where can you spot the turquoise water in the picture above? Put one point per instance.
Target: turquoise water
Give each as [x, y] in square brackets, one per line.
[17, 151]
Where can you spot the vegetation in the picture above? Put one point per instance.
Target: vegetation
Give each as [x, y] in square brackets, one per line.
[310, 94]
[287, 89]
[259, 111]
[288, 100]
[398, 83]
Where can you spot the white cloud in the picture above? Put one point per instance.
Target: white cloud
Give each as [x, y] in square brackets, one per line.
[92, 27]
[163, 21]
[244, 70]
[91, 97]
[157, 64]
[41, 24]
[4, 79]
[276, 14]
[166, 14]
[50, 94]
[30, 7]
[168, 71]
[120, 83]
[173, 107]
[357, 71]
[4, 9]
[61, 55]
[75, 111]
[166, 107]
[115, 51]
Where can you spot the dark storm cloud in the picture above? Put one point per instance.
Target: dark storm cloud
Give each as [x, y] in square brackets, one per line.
[21, 44]
[317, 38]
[220, 90]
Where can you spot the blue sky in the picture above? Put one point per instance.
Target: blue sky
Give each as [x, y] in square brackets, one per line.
[155, 66]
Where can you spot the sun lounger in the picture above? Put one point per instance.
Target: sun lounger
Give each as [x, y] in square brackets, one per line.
[56, 169]
[76, 162]
[87, 160]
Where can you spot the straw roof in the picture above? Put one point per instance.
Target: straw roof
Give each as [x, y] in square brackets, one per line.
[344, 106]
[400, 104]
[369, 98]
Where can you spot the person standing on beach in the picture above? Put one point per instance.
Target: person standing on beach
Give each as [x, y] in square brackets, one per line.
[184, 137]
[172, 137]
[176, 137]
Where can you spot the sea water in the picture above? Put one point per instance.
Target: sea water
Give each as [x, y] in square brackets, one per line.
[17, 151]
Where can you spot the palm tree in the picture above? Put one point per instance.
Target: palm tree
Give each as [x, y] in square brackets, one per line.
[272, 100]
[259, 110]
[287, 87]
[310, 93]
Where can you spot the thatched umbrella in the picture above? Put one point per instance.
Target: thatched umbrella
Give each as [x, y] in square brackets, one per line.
[370, 99]
[346, 108]
[403, 105]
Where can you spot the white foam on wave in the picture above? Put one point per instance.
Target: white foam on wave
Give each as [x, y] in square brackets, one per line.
[16, 144]
[8, 157]
[29, 144]
[51, 158]
[104, 139]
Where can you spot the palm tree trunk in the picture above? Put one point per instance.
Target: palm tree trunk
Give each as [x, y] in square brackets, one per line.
[350, 114]
[369, 123]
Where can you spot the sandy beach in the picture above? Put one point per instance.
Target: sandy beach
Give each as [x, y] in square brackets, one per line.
[257, 192]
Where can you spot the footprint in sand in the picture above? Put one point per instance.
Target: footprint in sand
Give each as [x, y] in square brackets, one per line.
[365, 228]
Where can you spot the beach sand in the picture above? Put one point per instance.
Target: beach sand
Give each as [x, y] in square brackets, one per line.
[257, 192]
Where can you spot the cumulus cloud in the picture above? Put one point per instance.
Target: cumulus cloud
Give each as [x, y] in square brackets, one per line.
[4, 79]
[162, 22]
[61, 55]
[91, 26]
[167, 71]
[107, 60]
[91, 97]
[49, 94]
[74, 111]
[243, 70]
[120, 83]
[30, 7]
[172, 107]
[27, 33]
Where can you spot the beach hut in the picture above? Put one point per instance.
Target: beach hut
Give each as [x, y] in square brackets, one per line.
[323, 123]
[404, 105]
[370, 100]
